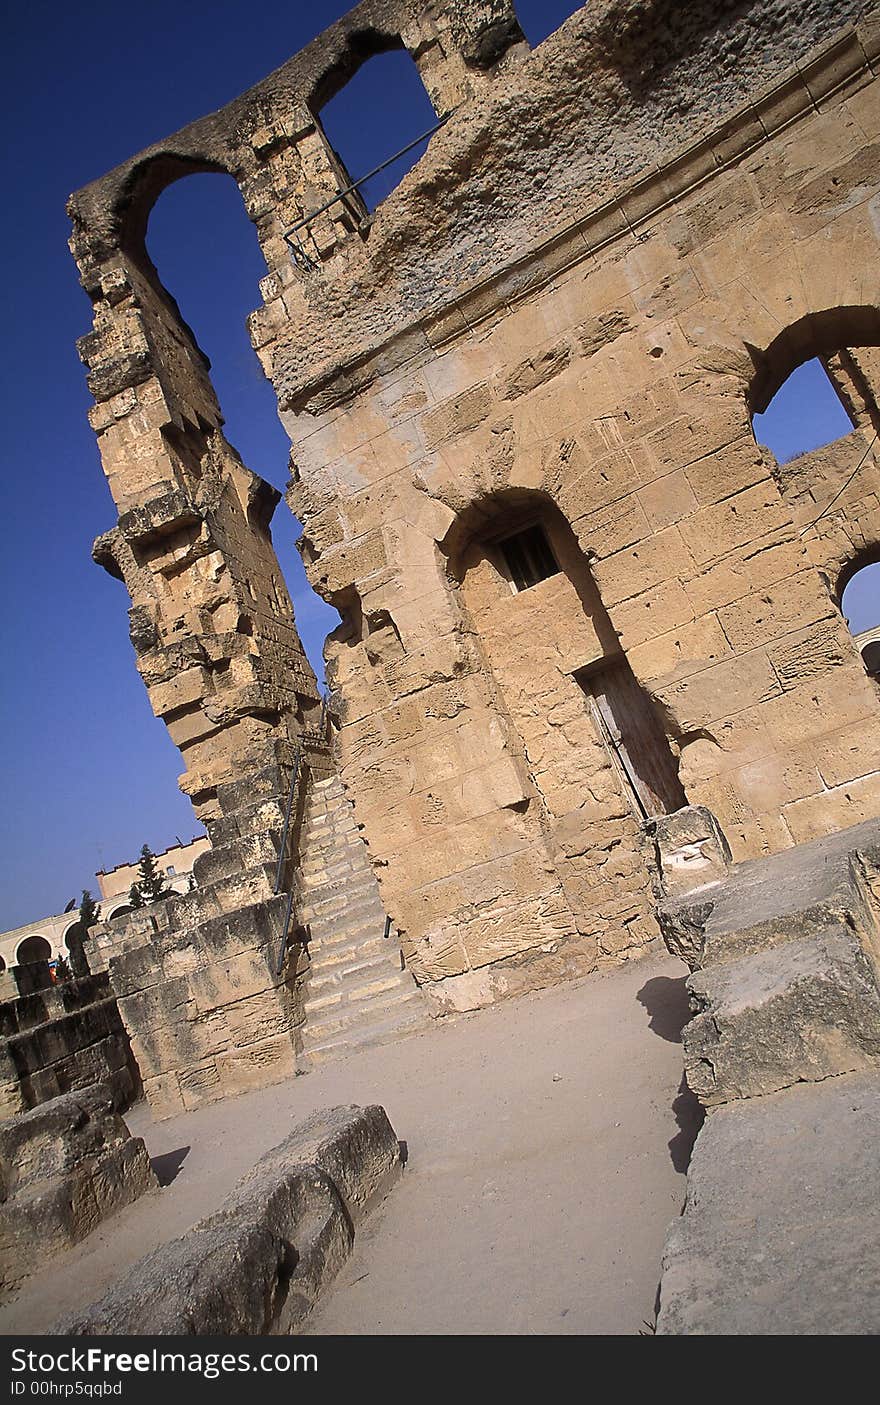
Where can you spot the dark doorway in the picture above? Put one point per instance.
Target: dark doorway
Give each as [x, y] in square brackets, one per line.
[631, 732]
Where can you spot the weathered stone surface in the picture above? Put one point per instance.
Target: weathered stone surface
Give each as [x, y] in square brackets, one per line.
[780, 1235]
[564, 318]
[64, 1167]
[260, 1262]
[786, 977]
[805, 1009]
[692, 851]
[57, 1038]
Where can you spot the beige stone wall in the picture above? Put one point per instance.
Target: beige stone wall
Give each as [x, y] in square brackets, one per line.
[620, 390]
[614, 251]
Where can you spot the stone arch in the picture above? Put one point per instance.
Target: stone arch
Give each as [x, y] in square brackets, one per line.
[121, 910]
[357, 48]
[517, 542]
[821, 334]
[865, 627]
[147, 180]
[33, 948]
[372, 59]
[70, 934]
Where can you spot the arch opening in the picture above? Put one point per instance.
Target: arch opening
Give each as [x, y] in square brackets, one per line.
[538, 19]
[552, 647]
[821, 335]
[806, 413]
[859, 598]
[202, 243]
[375, 108]
[33, 948]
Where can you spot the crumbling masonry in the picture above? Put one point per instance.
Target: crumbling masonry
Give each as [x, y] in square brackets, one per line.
[576, 594]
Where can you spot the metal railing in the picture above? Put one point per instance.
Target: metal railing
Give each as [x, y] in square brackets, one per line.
[300, 255]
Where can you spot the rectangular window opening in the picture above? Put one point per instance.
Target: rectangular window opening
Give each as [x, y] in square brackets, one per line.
[529, 557]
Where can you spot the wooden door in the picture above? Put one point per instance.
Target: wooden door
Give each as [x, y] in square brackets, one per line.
[631, 732]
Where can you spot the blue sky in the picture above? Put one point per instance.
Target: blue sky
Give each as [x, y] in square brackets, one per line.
[90, 774]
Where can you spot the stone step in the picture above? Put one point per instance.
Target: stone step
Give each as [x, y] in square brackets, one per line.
[347, 857]
[336, 908]
[338, 875]
[324, 842]
[382, 1033]
[334, 898]
[343, 974]
[378, 1009]
[347, 997]
[330, 955]
[354, 924]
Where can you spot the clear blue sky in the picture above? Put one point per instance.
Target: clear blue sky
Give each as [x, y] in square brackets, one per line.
[89, 774]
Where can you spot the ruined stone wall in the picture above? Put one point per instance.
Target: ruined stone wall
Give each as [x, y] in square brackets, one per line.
[615, 249]
[55, 1039]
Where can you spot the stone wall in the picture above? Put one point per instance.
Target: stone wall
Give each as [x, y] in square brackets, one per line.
[58, 1038]
[64, 1167]
[783, 1050]
[210, 982]
[611, 255]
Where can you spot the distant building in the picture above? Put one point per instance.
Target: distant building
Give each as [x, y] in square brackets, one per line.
[175, 862]
[46, 938]
[868, 645]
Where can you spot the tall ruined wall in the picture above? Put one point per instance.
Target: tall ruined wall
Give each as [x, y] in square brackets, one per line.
[614, 250]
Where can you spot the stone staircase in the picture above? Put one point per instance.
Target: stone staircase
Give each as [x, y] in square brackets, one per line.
[357, 992]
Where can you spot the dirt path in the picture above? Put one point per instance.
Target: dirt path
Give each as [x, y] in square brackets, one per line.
[540, 1181]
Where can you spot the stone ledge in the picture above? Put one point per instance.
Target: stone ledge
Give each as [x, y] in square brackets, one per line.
[780, 1235]
[259, 1263]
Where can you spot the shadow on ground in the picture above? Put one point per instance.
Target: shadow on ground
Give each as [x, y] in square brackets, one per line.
[167, 1165]
[666, 1001]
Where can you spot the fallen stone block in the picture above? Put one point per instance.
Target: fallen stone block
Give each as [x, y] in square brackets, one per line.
[780, 1234]
[804, 1010]
[691, 851]
[65, 1165]
[258, 1264]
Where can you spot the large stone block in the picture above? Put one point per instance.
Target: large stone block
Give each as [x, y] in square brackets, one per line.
[258, 1264]
[806, 1009]
[64, 1167]
[780, 1235]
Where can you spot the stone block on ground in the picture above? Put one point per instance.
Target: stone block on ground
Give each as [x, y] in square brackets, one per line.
[780, 1235]
[691, 851]
[803, 1010]
[65, 1166]
[258, 1264]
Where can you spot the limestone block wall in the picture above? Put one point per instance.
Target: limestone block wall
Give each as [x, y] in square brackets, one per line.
[65, 1166]
[212, 1006]
[59, 1038]
[611, 255]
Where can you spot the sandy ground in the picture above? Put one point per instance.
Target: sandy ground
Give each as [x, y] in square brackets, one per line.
[547, 1141]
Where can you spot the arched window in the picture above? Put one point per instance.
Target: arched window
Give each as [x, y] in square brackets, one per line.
[540, 18]
[119, 911]
[381, 109]
[518, 543]
[806, 413]
[33, 948]
[860, 603]
[206, 253]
